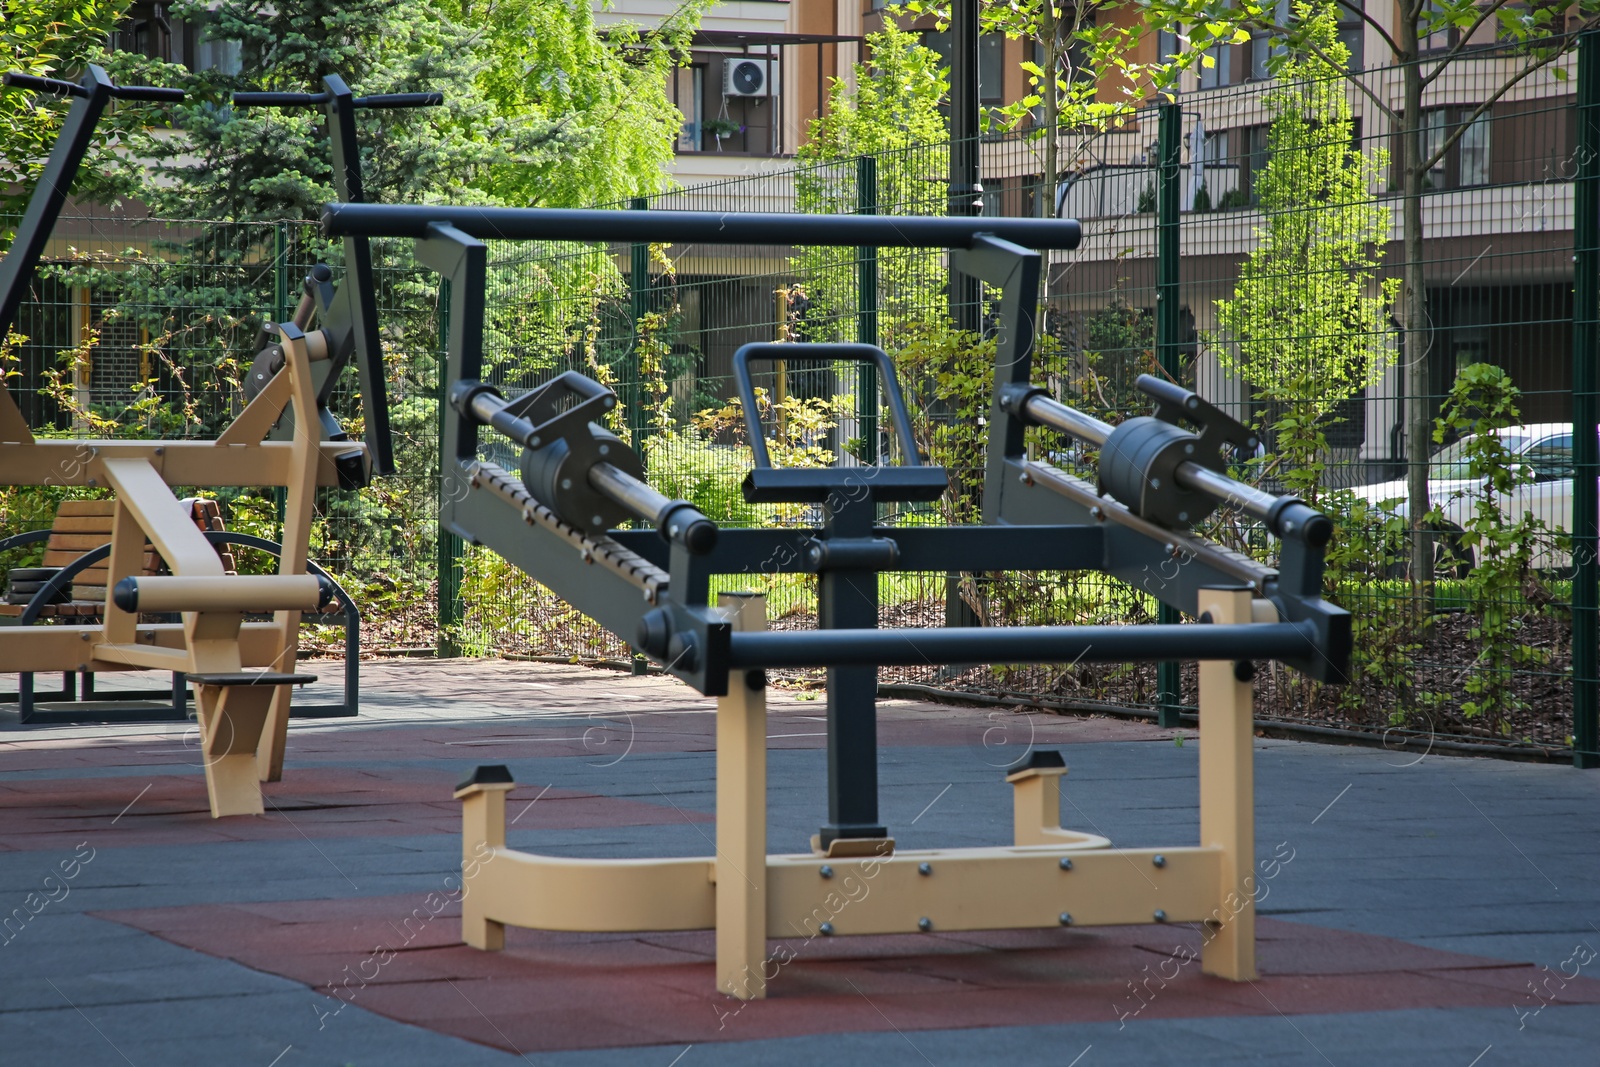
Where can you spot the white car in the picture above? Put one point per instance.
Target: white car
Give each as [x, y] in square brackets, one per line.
[1544, 490]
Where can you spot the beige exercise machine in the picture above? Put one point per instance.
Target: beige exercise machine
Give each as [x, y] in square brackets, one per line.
[242, 672]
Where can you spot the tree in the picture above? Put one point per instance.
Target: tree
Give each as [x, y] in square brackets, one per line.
[1426, 39]
[602, 95]
[50, 39]
[1083, 79]
[272, 164]
[891, 117]
[1304, 328]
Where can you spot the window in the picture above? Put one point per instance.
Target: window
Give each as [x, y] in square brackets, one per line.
[146, 30]
[992, 69]
[1166, 45]
[991, 63]
[1467, 162]
[220, 56]
[1073, 64]
[1451, 463]
[1221, 71]
[1233, 160]
[1352, 31]
[1264, 47]
[203, 52]
[1551, 459]
[688, 93]
[1252, 161]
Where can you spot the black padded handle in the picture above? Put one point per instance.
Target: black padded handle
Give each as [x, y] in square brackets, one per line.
[279, 99]
[53, 86]
[400, 100]
[381, 100]
[772, 351]
[154, 94]
[56, 87]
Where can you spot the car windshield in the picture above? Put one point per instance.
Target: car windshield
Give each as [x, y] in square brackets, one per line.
[1451, 463]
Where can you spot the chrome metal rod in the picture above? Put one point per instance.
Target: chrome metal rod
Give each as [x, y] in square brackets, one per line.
[489, 409]
[628, 491]
[1046, 412]
[1229, 491]
[694, 227]
[676, 520]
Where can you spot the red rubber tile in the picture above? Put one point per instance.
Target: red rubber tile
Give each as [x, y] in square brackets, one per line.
[552, 991]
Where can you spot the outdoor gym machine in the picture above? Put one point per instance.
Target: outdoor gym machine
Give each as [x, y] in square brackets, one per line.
[651, 587]
[242, 709]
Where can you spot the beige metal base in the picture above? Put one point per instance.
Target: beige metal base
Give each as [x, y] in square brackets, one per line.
[1048, 877]
[231, 719]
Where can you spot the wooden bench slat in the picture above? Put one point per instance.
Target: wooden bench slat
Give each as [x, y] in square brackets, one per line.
[81, 542]
[62, 559]
[100, 524]
[87, 507]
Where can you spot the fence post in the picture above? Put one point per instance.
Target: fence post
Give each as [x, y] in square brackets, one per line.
[449, 549]
[1168, 324]
[633, 388]
[639, 300]
[867, 313]
[1585, 410]
[965, 198]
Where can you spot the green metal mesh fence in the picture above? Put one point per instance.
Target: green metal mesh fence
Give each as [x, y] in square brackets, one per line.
[1289, 317]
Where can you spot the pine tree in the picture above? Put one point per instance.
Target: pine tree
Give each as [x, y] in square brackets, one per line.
[269, 164]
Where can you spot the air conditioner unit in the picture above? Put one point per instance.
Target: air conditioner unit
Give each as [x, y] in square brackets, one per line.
[749, 77]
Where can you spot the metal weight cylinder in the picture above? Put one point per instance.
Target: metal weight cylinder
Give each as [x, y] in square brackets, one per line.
[1139, 467]
[557, 476]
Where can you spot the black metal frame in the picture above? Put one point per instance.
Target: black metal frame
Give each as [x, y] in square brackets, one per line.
[141, 705]
[657, 593]
[348, 315]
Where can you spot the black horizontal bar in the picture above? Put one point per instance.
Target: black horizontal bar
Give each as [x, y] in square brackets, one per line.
[1021, 644]
[695, 227]
[279, 99]
[53, 86]
[155, 94]
[400, 100]
[1008, 548]
[922, 548]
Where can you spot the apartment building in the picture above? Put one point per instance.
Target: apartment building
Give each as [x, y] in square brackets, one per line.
[1497, 218]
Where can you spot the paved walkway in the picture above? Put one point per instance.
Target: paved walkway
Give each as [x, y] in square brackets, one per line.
[1420, 909]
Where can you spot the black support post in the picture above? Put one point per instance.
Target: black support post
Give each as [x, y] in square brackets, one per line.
[1168, 324]
[848, 599]
[1585, 412]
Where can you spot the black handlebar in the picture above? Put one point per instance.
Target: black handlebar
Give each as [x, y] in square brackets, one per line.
[381, 100]
[278, 99]
[401, 100]
[43, 85]
[56, 87]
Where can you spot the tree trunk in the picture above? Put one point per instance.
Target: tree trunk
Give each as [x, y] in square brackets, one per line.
[1415, 327]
